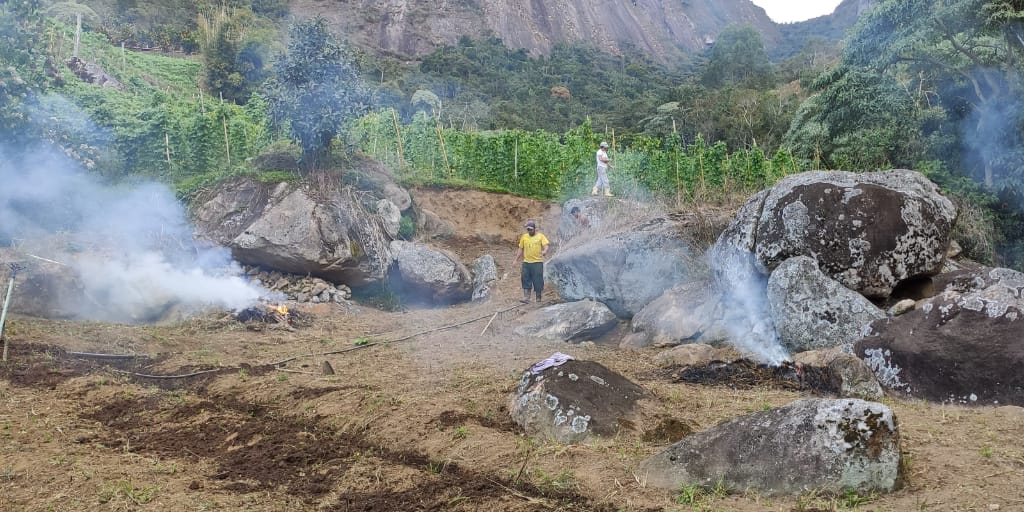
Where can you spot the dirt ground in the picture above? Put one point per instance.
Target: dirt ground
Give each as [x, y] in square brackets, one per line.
[213, 414]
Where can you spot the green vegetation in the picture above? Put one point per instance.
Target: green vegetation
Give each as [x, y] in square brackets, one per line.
[941, 93]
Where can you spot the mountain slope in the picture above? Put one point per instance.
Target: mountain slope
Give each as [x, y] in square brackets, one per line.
[664, 29]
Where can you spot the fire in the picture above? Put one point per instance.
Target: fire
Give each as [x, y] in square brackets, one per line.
[282, 309]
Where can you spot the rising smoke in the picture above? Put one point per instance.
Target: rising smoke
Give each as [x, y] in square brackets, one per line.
[130, 248]
[748, 318]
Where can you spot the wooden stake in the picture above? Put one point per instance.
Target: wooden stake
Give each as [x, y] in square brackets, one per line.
[167, 149]
[227, 145]
[398, 138]
[3, 314]
[515, 161]
[444, 152]
[78, 33]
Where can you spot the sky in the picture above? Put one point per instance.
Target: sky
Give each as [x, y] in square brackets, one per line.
[786, 11]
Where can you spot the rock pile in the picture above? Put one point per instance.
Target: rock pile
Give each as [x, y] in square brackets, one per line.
[300, 288]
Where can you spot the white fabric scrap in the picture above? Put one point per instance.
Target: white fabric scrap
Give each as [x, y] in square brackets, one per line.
[556, 359]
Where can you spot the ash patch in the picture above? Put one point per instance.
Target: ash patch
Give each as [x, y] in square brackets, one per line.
[504, 423]
[747, 374]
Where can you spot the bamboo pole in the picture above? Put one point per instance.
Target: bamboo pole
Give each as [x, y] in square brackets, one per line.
[444, 151]
[515, 161]
[227, 144]
[167, 148]
[78, 33]
[398, 139]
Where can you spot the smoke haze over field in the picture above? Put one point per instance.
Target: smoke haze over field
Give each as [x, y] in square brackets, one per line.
[131, 247]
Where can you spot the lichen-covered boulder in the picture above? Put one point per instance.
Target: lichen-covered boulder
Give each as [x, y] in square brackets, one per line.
[574, 401]
[812, 311]
[955, 347]
[868, 231]
[822, 444]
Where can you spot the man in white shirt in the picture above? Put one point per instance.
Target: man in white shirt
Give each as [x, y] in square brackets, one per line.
[603, 164]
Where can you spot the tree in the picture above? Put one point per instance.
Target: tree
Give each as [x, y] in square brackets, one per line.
[738, 58]
[856, 120]
[968, 53]
[21, 71]
[314, 90]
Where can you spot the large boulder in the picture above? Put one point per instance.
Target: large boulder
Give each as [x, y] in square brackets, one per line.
[485, 274]
[821, 444]
[327, 234]
[628, 269]
[956, 347]
[690, 312]
[426, 274]
[812, 311]
[868, 231]
[572, 402]
[570, 321]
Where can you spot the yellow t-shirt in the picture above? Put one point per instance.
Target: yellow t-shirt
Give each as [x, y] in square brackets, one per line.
[531, 246]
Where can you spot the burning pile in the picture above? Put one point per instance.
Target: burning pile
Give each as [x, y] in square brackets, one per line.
[267, 314]
[746, 374]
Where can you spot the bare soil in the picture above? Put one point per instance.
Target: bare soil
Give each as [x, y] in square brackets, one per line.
[214, 414]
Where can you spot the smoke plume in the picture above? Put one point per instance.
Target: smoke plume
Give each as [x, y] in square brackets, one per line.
[130, 247]
[748, 317]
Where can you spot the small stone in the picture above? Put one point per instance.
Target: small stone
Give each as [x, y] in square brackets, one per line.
[326, 368]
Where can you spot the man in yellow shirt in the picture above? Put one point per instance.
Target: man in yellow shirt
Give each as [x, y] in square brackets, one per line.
[533, 246]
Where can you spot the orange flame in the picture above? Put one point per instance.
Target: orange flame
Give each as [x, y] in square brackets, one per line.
[281, 308]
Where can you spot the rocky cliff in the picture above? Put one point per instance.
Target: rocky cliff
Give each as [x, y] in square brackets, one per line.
[663, 29]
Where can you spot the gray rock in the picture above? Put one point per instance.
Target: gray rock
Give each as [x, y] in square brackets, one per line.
[571, 321]
[812, 311]
[626, 270]
[686, 313]
[285, 228]
[429, 274]
[485, 273]
[825, 445]
[855, 378]
[430, 225]
[390, 216]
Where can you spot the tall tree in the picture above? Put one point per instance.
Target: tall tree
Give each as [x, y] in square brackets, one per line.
[314, 90]
[968, 52]
[738, 58]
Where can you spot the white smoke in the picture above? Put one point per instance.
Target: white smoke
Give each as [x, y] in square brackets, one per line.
[747, 318]
[131, 246]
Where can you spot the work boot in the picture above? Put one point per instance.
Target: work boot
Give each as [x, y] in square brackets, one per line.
[538, 297]
[526, 297]
[593, 192]
[608, 192]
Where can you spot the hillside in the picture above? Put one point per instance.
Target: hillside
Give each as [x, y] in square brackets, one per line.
[663, 30]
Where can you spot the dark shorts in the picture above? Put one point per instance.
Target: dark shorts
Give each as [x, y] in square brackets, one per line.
[533, 276]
